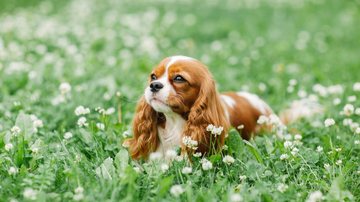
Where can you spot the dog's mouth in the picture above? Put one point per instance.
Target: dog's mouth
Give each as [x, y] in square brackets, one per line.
[156, 100]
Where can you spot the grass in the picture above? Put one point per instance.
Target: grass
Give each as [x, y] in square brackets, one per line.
[104, 47]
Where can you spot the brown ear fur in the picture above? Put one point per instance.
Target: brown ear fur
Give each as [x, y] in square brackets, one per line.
[206, 110]
[145, 139]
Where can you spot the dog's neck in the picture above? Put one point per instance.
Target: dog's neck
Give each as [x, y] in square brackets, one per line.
[170, 136]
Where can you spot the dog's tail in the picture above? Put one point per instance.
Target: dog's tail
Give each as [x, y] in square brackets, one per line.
[299, 109]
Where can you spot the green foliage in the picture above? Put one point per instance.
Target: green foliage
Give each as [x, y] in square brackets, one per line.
[58, 55]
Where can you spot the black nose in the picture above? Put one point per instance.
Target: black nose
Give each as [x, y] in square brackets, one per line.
[156, 86]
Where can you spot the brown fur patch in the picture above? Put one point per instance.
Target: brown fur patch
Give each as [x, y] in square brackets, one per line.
[243, 113]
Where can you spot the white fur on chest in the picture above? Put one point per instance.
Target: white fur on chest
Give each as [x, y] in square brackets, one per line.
[170, 136]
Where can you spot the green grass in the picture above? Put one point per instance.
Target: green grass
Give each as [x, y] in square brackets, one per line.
[104, 47]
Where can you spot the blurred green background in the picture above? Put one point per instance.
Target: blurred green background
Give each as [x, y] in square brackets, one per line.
[104, 47]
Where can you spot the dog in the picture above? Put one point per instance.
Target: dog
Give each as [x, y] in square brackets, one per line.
[181, 107]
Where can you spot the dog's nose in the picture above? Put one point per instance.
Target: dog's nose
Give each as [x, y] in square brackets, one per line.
[156, 86]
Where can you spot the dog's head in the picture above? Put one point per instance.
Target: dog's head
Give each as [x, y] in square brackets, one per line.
[184, 86]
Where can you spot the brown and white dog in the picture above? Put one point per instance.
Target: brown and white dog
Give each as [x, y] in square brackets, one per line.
[181, 100]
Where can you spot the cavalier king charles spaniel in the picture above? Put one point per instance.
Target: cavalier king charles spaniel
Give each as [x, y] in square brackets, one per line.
[181, 103]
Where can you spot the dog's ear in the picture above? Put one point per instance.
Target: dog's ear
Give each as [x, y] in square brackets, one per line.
[145, 139]
[206, 110]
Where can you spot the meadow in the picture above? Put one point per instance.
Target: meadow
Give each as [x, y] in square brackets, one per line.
[71, 73]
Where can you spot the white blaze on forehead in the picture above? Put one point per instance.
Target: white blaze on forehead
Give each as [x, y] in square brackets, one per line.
[176, 58]
[164, 93]
[256, 102]
[228, 101]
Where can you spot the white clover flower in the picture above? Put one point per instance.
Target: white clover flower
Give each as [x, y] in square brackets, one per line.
[329, 122]
[137, 169]
[319, 149]
[298, 137]
[347, 122]
[164, 167]
[356, 86]
[327, 167]
[79, 190]
[170, 154]
[64, 88]
[78, 197]
[313, 98]
[77, 158]
[34, 149]
[82, 122]
[110, 111]
[236, 197]
[190, 143]
[297, 143]
[179, 158]
[351, 98]
[284, 156]
[155, 156]
[357, 142]
[68, 135]
[335, 89]
[294, 151]
[292, 82]
[100, 126]
[240, 127]
[282, 187]
[16, 130]
[354, 126]
[210, 127]
[262, 87]
[126, 134]
[348, 109]
[197, 154]
[338, 162]
[315, 196]
[37, 123]
[263, 120]
[290, 89]
[288, 144]
[357, 111]
[242, 177]
[274, 120]
[338, 149]
[336, 101]
[30, 194]
[13, 170]
[228, 160]
[357, 131]
[58, 100]
[100, 110]
[9, 146]
[218, 131]
[176, 190]
[206, 165]
[214, 130]
[288, 137]
[81, 110]
[302, 93]
[107, 96]
[186, 170]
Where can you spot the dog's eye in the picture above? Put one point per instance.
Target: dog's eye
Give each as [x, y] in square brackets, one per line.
[153, 77]
[179, 78]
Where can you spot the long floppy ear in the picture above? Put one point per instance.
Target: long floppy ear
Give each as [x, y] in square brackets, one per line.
[206, 110]
[145, 139]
